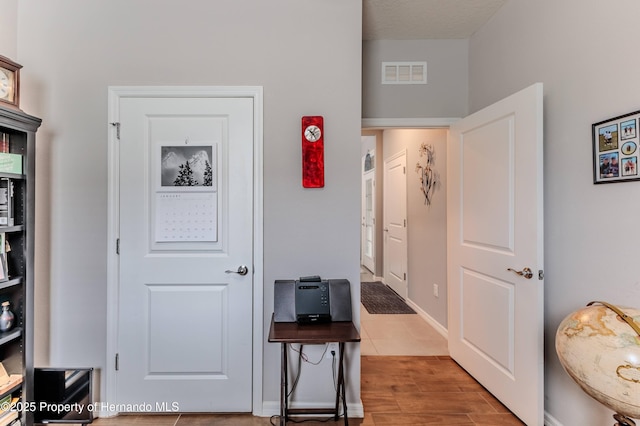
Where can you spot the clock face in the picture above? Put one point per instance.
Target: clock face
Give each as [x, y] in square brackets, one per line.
[312, 133]
[5, 85]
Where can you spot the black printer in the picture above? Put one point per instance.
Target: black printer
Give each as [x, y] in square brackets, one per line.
[312, 300]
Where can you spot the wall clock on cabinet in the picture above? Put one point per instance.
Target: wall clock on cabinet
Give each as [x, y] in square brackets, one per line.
[9, 82]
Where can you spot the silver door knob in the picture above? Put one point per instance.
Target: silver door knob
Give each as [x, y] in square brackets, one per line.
[242, 270]
[526, 272]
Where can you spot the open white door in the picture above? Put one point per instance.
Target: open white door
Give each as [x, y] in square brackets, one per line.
[495, 225]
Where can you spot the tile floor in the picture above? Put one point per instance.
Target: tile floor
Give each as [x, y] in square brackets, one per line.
[398, 334]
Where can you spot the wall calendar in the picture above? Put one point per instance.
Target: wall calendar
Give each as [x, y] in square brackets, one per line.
[186, 217]
[186, 195]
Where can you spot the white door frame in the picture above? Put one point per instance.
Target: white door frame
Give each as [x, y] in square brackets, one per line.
[366, 176]
[115, 93]
[403, 123]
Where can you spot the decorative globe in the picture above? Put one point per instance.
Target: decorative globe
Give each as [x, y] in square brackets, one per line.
[601, 352]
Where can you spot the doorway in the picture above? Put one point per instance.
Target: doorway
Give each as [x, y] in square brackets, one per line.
[484, 224]
[420, 333]
[368, 207]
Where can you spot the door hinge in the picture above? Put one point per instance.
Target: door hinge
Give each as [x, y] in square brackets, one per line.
[405, 276]
[405, 223]
[404, 170]
[117, 245]
[117, 362]
[117, 125]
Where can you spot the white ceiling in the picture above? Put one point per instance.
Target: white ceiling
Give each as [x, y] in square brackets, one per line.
[425, 19]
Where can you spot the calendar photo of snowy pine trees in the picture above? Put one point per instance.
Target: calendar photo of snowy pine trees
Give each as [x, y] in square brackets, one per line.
[187, 166]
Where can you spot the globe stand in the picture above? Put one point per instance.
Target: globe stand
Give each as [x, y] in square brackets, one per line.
[623, 420]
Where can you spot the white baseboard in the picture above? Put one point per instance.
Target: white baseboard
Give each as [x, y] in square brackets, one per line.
[549, 420]
[272, 408]
[429, 319]
[105, 414]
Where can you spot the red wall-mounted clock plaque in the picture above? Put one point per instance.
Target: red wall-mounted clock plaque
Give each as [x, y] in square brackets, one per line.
[313, 151]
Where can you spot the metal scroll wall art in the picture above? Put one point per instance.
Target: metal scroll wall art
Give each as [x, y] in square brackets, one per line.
[429, 178]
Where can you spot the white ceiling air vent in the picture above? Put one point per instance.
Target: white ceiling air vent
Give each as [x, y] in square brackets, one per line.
[404, 73]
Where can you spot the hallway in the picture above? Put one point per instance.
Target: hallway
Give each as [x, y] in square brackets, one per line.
[398, 334]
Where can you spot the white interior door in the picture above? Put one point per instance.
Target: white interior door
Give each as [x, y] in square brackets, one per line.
[184, 325]
[495, 223]
[395, 223]
[368, 221]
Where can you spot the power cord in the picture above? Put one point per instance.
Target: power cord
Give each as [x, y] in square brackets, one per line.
[333, 370]
[295, 382]
[333, 375]
[303, 357]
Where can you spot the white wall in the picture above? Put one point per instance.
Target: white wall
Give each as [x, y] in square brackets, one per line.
[426, 224]
[444, 95]
[72, 50]
[8, 29]
[585, 53]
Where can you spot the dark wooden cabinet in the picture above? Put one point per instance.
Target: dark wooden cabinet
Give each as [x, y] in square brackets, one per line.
[17, 273]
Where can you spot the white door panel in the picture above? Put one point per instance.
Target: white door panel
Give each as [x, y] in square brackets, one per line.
[487, 204]
[395, 223]
[488, 305]
[368, 221]
[184, 325]
[495, 199]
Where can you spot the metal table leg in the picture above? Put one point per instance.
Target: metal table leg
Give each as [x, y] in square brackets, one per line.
[284, 373]
[341, 391]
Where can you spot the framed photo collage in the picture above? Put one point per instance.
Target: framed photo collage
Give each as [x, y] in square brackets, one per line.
[615, 149]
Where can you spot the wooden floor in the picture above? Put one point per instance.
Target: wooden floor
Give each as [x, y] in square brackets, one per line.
[427, 390]
[395, 390]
